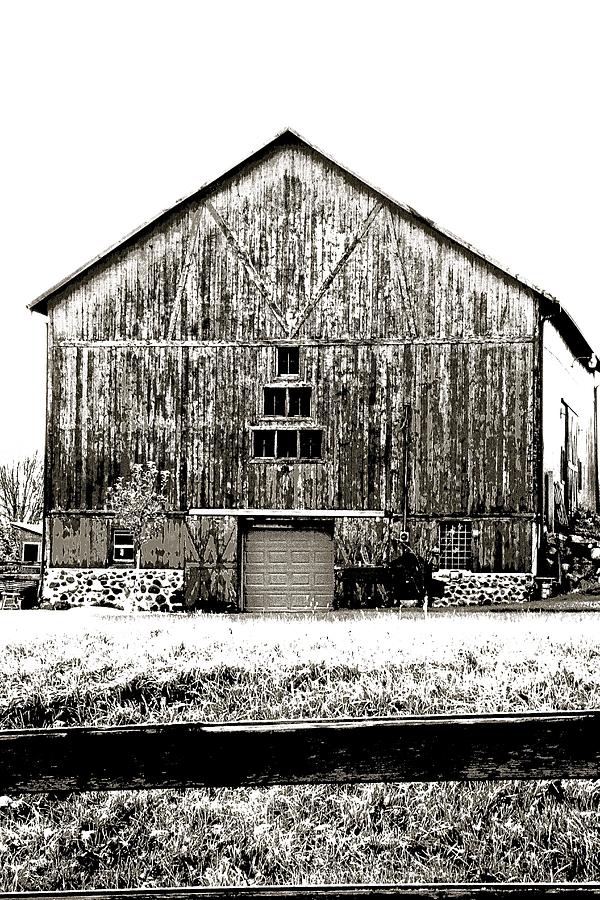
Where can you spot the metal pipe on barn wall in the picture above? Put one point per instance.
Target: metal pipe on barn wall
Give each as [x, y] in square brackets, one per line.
[595, 432]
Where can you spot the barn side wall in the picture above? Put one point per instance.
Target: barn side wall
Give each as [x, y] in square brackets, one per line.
[569, 380]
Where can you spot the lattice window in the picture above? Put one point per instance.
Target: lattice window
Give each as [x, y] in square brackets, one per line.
[456, 545]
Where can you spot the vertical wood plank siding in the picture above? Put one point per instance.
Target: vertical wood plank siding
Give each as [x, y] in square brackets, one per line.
[162, 351]
[471, 428]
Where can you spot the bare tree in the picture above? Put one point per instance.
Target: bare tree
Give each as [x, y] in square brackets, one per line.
[21, 490]
[9, 543]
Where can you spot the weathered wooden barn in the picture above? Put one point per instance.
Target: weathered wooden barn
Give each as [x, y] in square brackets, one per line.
[320, 368]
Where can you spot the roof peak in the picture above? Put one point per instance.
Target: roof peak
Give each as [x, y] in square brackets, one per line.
[286, 137]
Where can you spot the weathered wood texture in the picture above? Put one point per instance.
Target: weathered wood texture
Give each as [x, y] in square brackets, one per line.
[431, 748]
[293, 214]
[471, 437]
[436, 891]
[500, 544]
[161, 352]
[85, 541]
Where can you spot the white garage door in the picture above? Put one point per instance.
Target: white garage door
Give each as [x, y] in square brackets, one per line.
[288, 570]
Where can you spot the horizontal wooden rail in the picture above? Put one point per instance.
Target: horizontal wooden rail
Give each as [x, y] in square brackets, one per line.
[415, 748]
[512, 891]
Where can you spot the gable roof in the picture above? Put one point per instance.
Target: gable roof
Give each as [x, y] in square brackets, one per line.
[551, 308]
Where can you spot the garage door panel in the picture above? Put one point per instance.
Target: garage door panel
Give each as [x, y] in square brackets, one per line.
[300, 578]
[255, 579]
[322, 580]
[288, 569]
[278, 556]
[277, 578]
[300, 557]
[255, 556]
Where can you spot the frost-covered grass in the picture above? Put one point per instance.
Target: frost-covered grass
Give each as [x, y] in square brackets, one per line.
[83, 668]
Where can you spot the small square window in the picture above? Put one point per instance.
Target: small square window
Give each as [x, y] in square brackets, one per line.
[288, 361]
[123, 547]
[264, 444]
[31, 552]
[456, 550]
[310, 444]
[299, 401]
[287, 444]
[274, 401]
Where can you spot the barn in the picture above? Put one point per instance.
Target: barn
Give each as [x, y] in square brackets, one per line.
[329, 377]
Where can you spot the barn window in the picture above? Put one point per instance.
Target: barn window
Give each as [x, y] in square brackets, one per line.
[456, 545]
[299, 401]
[31, 551]
[310, 444]
[287, 443]
[288, 361]
[291, 402]
[123, 546]
[275, 401]
[264, 444]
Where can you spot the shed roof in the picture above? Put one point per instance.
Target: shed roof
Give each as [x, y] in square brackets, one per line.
[28, 526]
[551, 307]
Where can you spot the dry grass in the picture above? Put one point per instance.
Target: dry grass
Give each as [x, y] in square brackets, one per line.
[76, 668]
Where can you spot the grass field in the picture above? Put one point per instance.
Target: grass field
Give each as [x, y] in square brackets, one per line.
[90, 668]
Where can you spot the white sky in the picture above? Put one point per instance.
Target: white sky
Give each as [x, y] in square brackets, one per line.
[481, 115]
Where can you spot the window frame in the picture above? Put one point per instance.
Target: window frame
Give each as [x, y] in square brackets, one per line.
[283, 459]
[468, 559]
[287, 376]
[286, 414]
[29, 562]
[113, 558]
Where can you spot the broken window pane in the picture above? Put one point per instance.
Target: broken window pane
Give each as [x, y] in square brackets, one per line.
[123, 547]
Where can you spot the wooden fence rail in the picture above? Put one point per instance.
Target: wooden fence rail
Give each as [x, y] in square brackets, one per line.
[412, 748]
[415, 748]
[438, 891]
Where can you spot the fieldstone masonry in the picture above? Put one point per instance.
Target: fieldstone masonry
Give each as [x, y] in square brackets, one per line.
[147, 590]
[483, 588]
[154, 590]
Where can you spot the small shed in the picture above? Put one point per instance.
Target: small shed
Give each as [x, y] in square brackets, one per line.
[29, 536]
[19, 579]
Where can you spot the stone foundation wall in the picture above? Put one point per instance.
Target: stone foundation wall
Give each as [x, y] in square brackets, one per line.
[153, 590]
[483, 588]
[148, 590]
